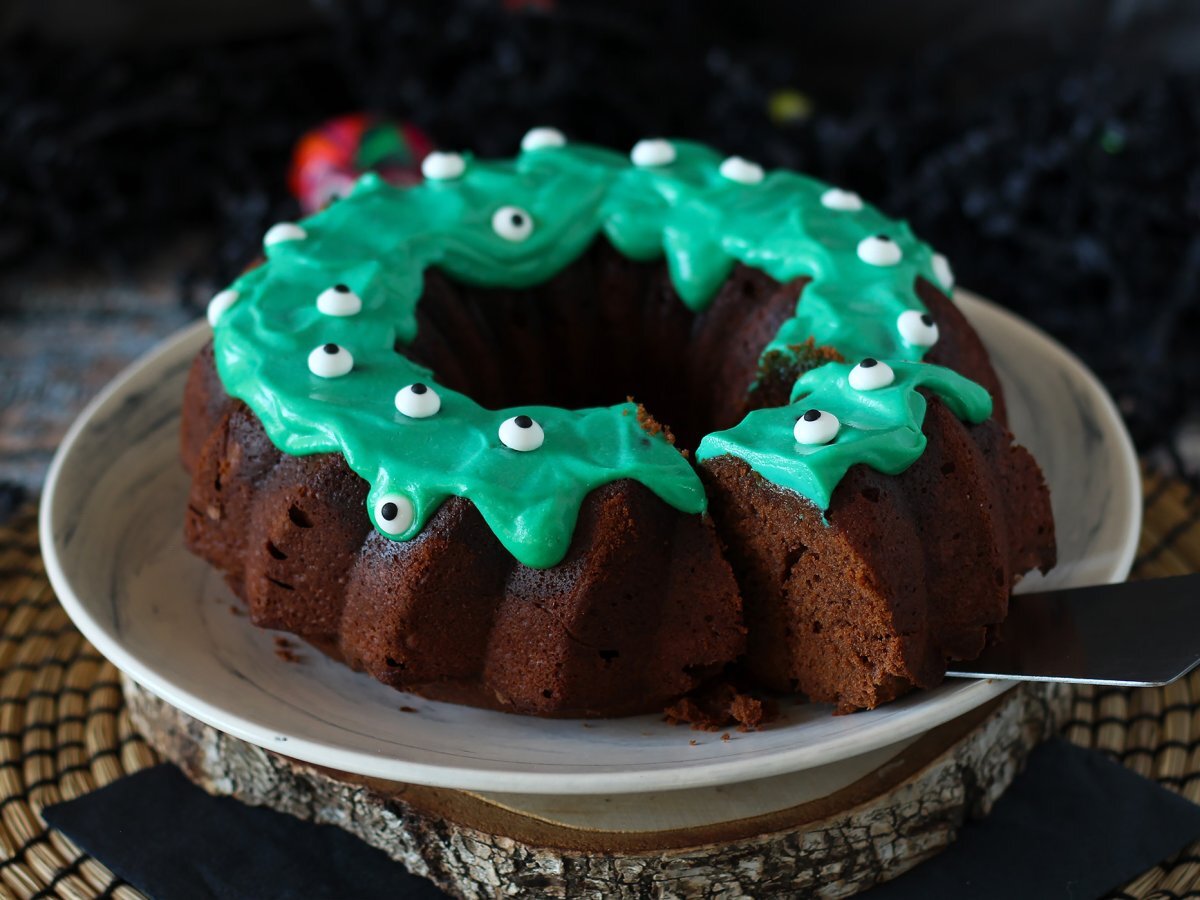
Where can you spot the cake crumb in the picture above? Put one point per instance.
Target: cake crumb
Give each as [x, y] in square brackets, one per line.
[234, 611]
[651, 425]
[407, 709]
[779, 369]
[693, 742]
[283, 649]
[719, 706]
[725, 736]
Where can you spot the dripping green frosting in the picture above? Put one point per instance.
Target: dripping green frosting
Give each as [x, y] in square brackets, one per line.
[380, 240]
[881, 427]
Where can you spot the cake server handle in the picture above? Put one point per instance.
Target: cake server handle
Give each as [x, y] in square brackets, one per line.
[1135, 634]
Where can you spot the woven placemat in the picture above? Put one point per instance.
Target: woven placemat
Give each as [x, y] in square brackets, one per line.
[64, 729]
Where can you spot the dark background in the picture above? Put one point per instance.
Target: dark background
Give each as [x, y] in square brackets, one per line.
[1050, 149]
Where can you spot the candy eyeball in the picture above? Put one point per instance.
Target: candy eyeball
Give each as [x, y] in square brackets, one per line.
[741, 170]
[330, 361]
[816, 426]
[879, 250]
[418, 401]
[917, 328]
[521, 433]
[870, 375]
[512, 223]
[393, 514]
[651, 152]
[219, 304]
[339, 300]
[541, 138]
[438, 166]
[942, 272]
[282, 232]
[843, 201]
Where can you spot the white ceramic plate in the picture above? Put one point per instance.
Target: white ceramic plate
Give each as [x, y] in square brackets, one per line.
[111, 530]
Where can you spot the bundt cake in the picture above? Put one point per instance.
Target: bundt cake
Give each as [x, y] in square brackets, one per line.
[403, 446]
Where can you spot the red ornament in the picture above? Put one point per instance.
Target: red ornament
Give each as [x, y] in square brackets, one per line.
[330, 158]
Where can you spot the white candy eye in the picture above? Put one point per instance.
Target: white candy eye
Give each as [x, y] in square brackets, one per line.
[521, 433]
[219, 303]
[917, 328]
[871, 374]
[439, 166]
[330, 361]
[879, 250]
[284, 231]
[845, 201]
[816, 427]
[540, 138]
[652, 152]
[942, 271]
[512, 223]
[418, 401]
[741, 170]
[339, 300]
[393, 514]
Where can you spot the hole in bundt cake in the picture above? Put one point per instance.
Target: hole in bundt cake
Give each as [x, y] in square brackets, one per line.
[275, 552]
[604, 329]
[793, 556]
[299, 517]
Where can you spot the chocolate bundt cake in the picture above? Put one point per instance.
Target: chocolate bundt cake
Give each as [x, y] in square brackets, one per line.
[403, 449]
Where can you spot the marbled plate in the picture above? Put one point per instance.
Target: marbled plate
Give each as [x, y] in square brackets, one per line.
[111, 530]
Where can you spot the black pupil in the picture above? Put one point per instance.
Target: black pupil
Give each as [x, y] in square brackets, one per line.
[418, 388]
[928, 320]
[517, 219]
[882, 237]
[389, 511]
[341, 288]
[812, 415]
[330, 348]
[869, 362]
[523, 421]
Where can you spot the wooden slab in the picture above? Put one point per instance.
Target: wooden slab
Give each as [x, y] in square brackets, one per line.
[478, 846]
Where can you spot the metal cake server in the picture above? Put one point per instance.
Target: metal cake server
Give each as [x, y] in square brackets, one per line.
[1136, 634]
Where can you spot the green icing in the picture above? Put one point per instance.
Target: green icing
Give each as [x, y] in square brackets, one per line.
[380, 240]
[881, 427]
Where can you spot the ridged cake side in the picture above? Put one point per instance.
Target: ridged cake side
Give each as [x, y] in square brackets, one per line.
[647, 605]
[643, 609]
[907, 571]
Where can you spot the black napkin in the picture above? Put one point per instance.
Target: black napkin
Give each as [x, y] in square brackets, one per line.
[1073, 825]
[164, 835]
